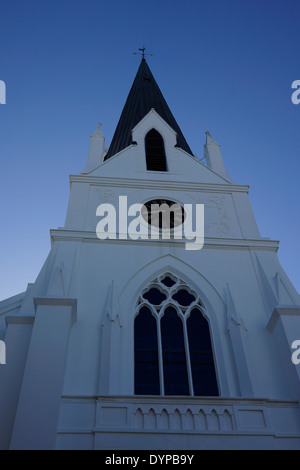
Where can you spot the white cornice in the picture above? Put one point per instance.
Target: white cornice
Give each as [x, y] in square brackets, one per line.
[209, 242]
[158, 184]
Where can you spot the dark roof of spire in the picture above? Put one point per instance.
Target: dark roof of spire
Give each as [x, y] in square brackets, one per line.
[144, 95]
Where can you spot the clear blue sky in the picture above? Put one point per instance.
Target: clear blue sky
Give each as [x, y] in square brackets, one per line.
[223, 66]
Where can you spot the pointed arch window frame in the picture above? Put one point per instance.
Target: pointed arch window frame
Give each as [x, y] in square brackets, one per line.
[162, 158]
[184, 314]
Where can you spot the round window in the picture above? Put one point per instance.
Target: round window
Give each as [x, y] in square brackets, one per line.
[163, 213]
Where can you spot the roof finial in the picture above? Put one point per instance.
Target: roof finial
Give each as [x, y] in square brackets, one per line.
[142, 53]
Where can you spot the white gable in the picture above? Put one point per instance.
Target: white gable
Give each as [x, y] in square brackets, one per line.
[131, 162]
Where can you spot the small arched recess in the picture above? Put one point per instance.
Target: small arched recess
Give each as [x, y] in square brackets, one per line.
[155, 151]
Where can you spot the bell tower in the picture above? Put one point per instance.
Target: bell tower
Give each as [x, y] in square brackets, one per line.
[128, 338]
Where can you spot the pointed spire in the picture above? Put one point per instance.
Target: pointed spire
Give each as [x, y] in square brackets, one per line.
[214, 159]
[143, 96]
[237, 332]
[284, 293]
[96, 151]
[112, 311]
[57, 284]
[268, 291]
[109, 371]
[232, 316]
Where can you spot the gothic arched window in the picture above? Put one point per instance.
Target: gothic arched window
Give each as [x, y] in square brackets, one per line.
[155, 151]
[146, 353]
[172, 346]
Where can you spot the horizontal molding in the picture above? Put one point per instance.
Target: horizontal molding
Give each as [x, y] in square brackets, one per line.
[179, 400]
[165, 433]
[19, 320]
[209, 242]
[57, 302]
[159, 184]
[282, 310]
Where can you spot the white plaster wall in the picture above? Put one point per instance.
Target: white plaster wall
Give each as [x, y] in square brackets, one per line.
[89, 266]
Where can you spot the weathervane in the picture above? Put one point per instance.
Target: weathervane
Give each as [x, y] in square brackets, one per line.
[142, 53]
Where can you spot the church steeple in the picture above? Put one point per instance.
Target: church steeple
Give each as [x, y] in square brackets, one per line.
[143, 96]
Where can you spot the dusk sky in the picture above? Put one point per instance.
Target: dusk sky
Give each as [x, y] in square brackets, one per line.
[222, 66]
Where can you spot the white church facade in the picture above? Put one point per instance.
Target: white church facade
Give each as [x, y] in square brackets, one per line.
[148, 343]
